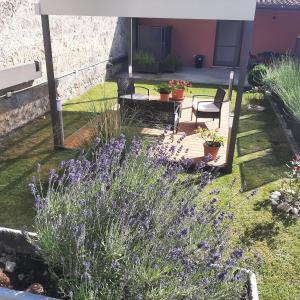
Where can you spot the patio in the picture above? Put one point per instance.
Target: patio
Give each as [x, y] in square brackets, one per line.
[192, 141]
[207, 76]
[186, 128]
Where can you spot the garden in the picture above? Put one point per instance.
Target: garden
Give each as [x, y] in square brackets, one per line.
[121, 220]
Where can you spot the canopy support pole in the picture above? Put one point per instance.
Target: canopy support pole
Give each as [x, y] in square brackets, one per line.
[130, 49]
[57, 127]
[244, 59]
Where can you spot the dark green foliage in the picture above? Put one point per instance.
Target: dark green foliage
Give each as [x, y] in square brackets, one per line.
[170, 64]
[145, 63]
[256, 75]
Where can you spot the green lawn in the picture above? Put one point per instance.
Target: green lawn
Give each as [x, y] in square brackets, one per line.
[21, 150]
[259, 164]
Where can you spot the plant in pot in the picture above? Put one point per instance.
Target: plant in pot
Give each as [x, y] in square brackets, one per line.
[164, 90]
[144, 62]
[178, 88]
[213, 142]
[170, 64]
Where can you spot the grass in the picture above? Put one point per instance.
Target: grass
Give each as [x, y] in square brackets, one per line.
[259, 164]
[25, 147]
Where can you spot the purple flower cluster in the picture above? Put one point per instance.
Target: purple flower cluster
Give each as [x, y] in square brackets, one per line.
[123, 214]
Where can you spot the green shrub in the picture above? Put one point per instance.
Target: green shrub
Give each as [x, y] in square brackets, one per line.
[256, 76]
[283, 79]
[145, 62]
[170, 64]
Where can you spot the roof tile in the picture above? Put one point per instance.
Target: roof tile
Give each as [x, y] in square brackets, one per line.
[290, 4]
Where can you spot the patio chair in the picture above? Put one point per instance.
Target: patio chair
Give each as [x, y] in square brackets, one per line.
[126, 86]
[208, 108]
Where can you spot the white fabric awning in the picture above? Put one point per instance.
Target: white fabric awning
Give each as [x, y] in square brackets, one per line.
[175, 9]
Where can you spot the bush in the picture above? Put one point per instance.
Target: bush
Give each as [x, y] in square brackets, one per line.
[170, 64]
[283, 79]
[145, 62]
[128, 225]
[256, 76]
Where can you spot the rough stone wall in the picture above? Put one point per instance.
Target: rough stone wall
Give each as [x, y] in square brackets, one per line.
[76, 42]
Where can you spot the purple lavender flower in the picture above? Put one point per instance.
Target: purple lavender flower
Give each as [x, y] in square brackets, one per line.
[115, 265]
[97, 141]
[175, 254]
[236, 276]
[203, 245]
[183, 233]
[237, 254]
[32, 188]
[222, 275]
[214, 192]
[87, 265]
[215, 256]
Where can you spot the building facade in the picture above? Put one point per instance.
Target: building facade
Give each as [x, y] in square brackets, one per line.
[276, 26]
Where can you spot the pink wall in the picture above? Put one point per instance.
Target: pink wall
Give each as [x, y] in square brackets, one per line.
[273, 31]
[190, 37]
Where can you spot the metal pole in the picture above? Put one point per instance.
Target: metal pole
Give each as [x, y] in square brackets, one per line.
[230, 86]
[57, 127]
[246, 47]
[130, 50]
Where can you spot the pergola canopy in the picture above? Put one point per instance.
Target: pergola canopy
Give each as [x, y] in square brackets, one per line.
[243, 10]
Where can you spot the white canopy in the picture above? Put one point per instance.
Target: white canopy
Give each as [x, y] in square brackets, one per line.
[243, 10]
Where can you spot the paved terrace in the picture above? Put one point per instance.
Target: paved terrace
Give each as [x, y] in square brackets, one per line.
[192, 142]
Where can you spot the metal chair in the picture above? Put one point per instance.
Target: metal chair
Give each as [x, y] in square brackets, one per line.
[126, 86]
[208, 108]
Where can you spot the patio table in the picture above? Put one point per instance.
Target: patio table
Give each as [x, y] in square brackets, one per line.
[149, 111]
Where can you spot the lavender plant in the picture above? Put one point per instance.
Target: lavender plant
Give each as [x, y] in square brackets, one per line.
[128, 224]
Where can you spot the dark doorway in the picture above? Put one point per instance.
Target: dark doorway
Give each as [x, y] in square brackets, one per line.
[228, 43]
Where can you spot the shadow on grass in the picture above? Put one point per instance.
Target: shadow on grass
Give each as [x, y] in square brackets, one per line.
[255, 142]
[267, 148]
[262, 232]
[20, 152]
[263, 170]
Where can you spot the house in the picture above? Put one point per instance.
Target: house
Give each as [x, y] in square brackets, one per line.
[276, 26]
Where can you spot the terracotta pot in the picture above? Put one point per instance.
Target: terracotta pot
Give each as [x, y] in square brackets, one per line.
[164, 97]
[213, 151]
[178, 95]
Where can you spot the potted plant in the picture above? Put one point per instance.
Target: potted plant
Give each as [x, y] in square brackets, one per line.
[170, 64]
[213, 142]
[178, 88]
[164, 91]
[145, 63]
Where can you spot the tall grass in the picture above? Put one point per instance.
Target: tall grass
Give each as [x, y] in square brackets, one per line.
[127, 224]
[283, 78]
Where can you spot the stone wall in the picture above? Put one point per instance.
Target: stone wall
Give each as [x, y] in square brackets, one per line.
[76, 42]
